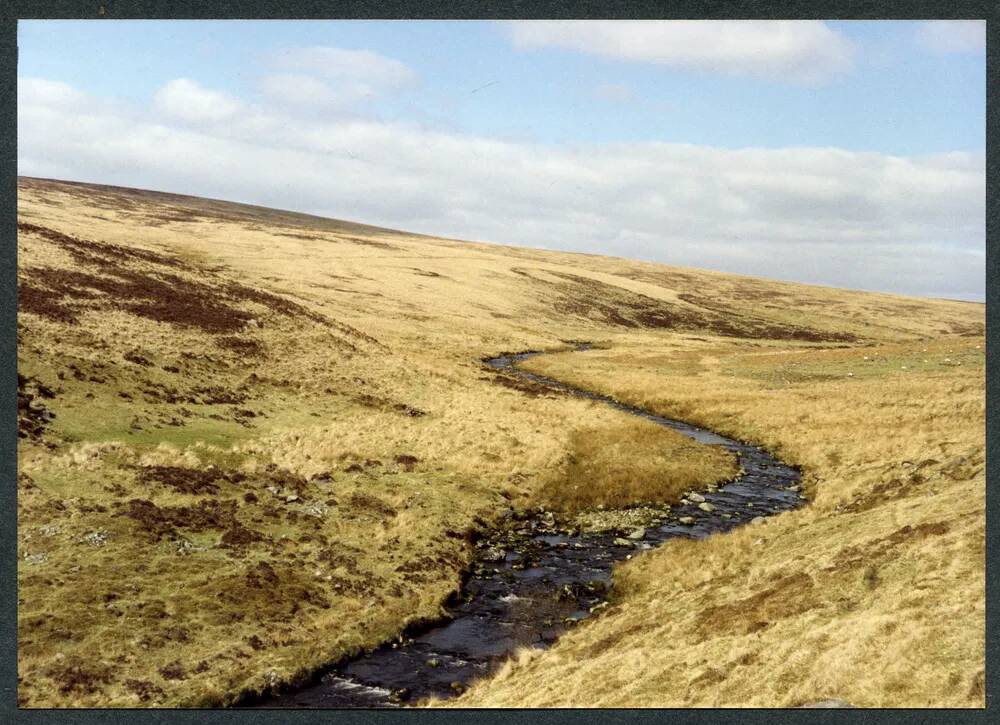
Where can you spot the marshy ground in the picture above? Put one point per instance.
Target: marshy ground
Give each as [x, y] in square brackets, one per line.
[255, 442]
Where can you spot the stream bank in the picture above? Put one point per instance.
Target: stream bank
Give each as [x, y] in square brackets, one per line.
[532, 579]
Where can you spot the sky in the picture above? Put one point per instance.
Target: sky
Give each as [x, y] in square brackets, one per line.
[849, 154]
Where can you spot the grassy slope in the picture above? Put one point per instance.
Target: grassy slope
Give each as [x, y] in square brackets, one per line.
[272, 441]
[873, 593]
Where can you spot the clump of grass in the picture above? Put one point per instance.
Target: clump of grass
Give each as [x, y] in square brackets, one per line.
[628, 463]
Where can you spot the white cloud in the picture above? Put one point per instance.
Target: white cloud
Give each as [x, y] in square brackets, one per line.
[303, 90]
[52, 94]
[867, 220]
[793, 50]
[952, 36]
[327, 78]
[342, 64]
[614, 92]
[187, 100]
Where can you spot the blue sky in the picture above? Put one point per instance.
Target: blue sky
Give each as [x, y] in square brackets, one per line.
[598, 97]
[900, 98]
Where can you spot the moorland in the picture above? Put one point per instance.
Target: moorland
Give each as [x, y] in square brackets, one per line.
[252, 442]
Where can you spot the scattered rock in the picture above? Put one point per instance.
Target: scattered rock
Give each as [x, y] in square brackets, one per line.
[494, 553]
[686, 520]
[619, 541]
[637, 535]
[832, 703]
[96, 538]
[696, 497]
[566, 593]
[706, 507]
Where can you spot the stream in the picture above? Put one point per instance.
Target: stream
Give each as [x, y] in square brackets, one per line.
[534, 579]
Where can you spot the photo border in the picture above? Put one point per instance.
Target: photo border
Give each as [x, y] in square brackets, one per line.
[435, 9]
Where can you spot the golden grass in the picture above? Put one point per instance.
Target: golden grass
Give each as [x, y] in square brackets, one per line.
[273, 438]
[634, 462]
[873, 593]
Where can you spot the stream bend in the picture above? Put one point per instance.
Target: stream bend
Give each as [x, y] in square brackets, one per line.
[531, 581]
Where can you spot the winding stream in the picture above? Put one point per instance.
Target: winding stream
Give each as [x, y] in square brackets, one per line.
[532, 580]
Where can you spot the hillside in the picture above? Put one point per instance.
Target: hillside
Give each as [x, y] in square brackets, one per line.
[254, 441]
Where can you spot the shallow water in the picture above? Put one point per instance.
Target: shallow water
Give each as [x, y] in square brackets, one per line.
[531, 581]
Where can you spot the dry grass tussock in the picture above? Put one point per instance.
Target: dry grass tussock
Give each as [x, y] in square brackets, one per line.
[253, 442]
[636, 461]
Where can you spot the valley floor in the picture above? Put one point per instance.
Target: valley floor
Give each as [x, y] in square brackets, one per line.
[873, 593]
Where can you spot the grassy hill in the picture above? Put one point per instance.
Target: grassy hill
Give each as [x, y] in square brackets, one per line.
[254, 441]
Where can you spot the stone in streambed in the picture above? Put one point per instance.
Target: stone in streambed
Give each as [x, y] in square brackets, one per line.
[696, 497]
[494, 553]
[686, 520]
[637, 534]
[400, 695]
[706, 507]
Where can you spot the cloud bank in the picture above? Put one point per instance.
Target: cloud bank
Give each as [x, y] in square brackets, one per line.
[912, 225]
[792, 50]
